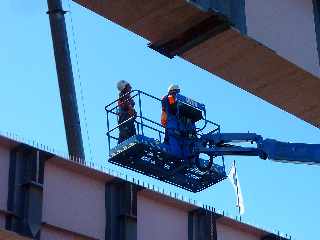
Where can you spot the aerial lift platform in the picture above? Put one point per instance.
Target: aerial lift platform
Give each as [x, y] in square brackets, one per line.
[193, 157]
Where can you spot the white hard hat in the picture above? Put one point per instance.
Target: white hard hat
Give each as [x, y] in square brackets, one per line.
[173, 87]
[122, 84]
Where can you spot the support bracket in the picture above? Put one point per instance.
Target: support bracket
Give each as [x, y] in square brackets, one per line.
[26, 175]
[121, 210]
[202, 225]
[192, 37]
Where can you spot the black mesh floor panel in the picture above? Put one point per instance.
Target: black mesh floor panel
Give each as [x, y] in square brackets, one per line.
[149, 157]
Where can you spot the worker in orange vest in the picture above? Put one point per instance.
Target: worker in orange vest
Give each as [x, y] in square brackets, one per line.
[169, 110]
[126, 111]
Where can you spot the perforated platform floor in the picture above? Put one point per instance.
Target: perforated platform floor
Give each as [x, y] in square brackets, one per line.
[152, 158]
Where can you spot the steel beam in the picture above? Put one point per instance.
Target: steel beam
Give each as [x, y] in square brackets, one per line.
[202, 225]
[234, 10]
[65, 78]
[195, 35]
[26, 174]
[121, 210]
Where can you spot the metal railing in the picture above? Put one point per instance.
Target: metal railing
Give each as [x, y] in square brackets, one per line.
[141, 121]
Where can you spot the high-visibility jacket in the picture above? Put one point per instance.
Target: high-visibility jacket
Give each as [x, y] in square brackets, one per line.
[169, 108]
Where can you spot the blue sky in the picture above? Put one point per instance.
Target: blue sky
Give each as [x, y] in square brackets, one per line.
[277, 196]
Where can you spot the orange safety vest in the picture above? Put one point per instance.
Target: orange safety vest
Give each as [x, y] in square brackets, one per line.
[164, 116]
[171, 99]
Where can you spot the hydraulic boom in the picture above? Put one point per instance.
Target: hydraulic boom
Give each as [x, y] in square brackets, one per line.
[183, 154]
[220, 144]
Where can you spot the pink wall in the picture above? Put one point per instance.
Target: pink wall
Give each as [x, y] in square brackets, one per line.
[4, 174]
[286, 26]
[158, 220]
[53, 234]
[49, 234]
[74, 201]
[226, 232]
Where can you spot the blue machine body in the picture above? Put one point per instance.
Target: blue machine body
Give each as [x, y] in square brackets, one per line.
[181, 126]
[190, 135]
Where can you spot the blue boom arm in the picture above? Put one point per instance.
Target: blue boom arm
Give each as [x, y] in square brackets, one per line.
[176, 159]
[219, 144]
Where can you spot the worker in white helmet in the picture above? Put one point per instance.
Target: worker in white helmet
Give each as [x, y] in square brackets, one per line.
[169, 109]
[126, 111]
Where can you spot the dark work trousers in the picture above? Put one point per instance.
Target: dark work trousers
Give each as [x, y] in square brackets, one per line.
[127, 129]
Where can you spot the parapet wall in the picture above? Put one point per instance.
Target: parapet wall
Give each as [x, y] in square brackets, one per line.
[79, 202]
[74, 201]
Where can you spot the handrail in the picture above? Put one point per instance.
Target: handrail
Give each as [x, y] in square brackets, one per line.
[118, 100]
[157, 130]
[147, 94]
[132, 91]
[115, 138]
[112, 129]
[125, 101]
[141, 121]
[135, 117]
[158, 124]
[115, 113]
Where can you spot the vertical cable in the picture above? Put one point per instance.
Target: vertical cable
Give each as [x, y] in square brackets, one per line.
[79, 80]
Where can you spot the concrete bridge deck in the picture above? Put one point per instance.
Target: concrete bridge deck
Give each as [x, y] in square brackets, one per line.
[288, 79]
